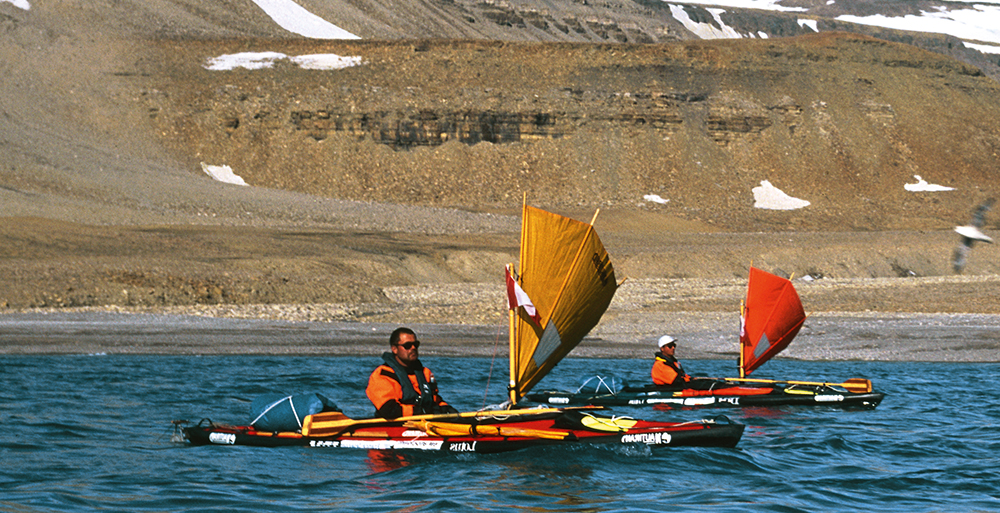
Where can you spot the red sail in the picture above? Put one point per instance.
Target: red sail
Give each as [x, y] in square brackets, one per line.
[771, 318]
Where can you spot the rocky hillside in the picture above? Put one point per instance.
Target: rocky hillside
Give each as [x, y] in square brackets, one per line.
[448, 113]
[578, 105]
[840, 120]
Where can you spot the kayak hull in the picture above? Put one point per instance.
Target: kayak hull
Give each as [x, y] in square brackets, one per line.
[489, 435]
[734, 397]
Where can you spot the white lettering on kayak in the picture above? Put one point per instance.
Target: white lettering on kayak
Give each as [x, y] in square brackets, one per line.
[656, 401]
[559, 400]
[829, 398]
[659, 438]
[222, 438]
[699, 401]
[324, 443]
[462, 447]
[423, 445]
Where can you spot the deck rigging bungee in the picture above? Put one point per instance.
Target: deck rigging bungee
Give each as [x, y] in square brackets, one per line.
[566, 284]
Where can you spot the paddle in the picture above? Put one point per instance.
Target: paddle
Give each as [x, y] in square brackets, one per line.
[452, 429]
[328, 424]
[854, 385]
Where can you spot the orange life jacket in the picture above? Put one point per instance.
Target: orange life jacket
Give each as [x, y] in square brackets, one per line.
[667, 371]
[387, 393]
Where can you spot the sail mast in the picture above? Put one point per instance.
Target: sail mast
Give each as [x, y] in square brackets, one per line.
[743, 325]
[512, 387]
[742, 360]
[512, 314]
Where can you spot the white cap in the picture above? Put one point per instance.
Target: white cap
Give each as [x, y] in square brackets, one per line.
[665, 339]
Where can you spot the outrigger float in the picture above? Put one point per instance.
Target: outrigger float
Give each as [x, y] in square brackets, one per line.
[770, 318]
[566, 284]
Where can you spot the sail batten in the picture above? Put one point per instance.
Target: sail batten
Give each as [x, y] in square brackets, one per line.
[568, 275]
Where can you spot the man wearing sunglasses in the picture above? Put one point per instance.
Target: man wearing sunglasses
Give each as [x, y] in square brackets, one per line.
[402, 386]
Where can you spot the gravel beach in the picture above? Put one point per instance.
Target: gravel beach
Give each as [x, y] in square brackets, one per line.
[452, 323]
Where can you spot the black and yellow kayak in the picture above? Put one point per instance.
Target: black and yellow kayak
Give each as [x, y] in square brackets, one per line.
[722, 393]
[481, 432]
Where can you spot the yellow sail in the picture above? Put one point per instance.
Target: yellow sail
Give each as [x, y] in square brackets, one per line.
[567, 274]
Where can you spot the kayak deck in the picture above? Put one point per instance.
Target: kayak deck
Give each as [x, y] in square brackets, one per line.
[508, 431]
[724, 397]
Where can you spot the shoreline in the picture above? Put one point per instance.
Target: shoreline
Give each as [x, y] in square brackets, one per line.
[303, 301]
[826, 336]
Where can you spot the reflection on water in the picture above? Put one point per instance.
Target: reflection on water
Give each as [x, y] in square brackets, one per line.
[384, 461]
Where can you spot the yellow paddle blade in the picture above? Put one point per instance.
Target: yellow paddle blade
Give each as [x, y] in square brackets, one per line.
[858, 385]
[615, 424]
[325, 422]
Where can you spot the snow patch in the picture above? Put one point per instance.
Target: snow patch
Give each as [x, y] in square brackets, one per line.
[766, 5]
[770, 197]
[983, 48]
[248, 60]
[223, 174]
[809, 23]
[23, 4]
[705, 30]
[923, 186]
[294, 18]
[655, 198]
[980, 23]
[972, 21]
[261, 60]
[326, 61]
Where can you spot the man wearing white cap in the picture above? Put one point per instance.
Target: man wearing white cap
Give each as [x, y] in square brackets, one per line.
[666, 369]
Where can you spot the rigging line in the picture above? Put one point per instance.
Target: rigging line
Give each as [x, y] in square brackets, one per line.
[493, 359]
[700, 421]
[613, 417]
[292, 404]
[275, 403]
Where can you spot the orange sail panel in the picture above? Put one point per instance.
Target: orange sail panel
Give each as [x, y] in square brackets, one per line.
[567, 274]
[771, 318]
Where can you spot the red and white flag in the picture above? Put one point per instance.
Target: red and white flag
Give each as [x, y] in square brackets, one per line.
[516, 296]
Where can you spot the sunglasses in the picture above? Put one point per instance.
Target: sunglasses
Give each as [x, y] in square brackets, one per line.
[409, 345]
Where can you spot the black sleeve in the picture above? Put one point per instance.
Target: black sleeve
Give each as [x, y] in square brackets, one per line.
[390, 410]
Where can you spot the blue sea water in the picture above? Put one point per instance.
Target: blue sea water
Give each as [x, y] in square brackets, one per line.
[94, 433]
